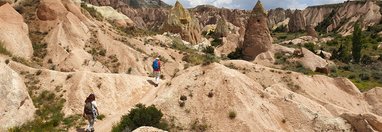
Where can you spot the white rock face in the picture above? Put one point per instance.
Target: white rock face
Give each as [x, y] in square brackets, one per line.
[111, 14]
[14, 32]
[16, 105]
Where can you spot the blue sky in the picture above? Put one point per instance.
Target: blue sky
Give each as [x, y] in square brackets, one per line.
[249, 4]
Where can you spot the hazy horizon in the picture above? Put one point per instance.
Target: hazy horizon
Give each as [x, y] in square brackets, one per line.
[249, 4]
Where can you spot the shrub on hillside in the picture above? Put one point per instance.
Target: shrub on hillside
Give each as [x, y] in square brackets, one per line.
[232, 114]
[3, 50]
[282, 28]
[217, 42]
[141, 116]
[237, 54]
[209, 50]
[310, 46]
[364, 76]
[92, 11]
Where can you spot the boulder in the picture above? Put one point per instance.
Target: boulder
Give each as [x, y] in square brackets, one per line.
[311, 61]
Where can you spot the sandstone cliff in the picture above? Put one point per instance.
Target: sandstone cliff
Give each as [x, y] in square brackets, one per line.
[146, 14]
[130, 3]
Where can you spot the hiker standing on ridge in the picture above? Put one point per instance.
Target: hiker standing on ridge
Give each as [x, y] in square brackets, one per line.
[156, 67]
[90, 112]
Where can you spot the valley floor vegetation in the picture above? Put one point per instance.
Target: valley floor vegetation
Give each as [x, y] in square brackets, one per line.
[357, 56]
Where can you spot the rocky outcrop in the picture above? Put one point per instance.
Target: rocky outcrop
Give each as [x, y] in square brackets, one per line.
[46, 13]
[311, 31]
[16, 105]
[221, 28]
[297, 22]
[114, 16]
[146, 18]
[14, 32]
[2, 2]
[364, 122]
[368, 13]
[257, 37]
[180, 21]
[130, 3]
[373, 97]
[311, 61]
[316, 14]
[207, 14]
[276, 16]
[146, 14]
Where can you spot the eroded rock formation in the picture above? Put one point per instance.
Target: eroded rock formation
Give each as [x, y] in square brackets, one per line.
[180, 21]
[257, 37]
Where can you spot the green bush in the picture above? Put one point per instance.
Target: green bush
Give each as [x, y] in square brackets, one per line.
[48, 116]
[141, 116]
[280, 58]
[237, 54]
[217, 42]
[39, 50]
[377, 76]
[364, 76]
[282, 28]
[209, 50]
[194, 59]
[366, 60]
[3, 50]
[232, 114]
[322, 26]
[101, 117]
[209, 59]
[282, 37]
[197, 59]
[178, 44]
[311, 47]
[92, 11]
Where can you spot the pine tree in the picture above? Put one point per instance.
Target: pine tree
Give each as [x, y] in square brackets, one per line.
[356, 42]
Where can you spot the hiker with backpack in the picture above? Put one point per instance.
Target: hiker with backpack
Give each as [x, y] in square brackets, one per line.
[90, 112]
[156, 68]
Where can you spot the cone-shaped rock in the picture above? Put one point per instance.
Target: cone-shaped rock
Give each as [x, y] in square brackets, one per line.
[297, 22]
[257, 37]
[311, 32]
[221, 28]
[180, 21]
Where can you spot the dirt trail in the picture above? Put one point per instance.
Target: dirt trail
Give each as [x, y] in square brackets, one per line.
[106, 124]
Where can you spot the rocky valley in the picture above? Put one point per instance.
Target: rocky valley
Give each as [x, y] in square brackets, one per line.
[314, 69]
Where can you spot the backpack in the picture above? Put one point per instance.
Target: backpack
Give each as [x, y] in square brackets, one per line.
[156, 65]
[88, 108]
